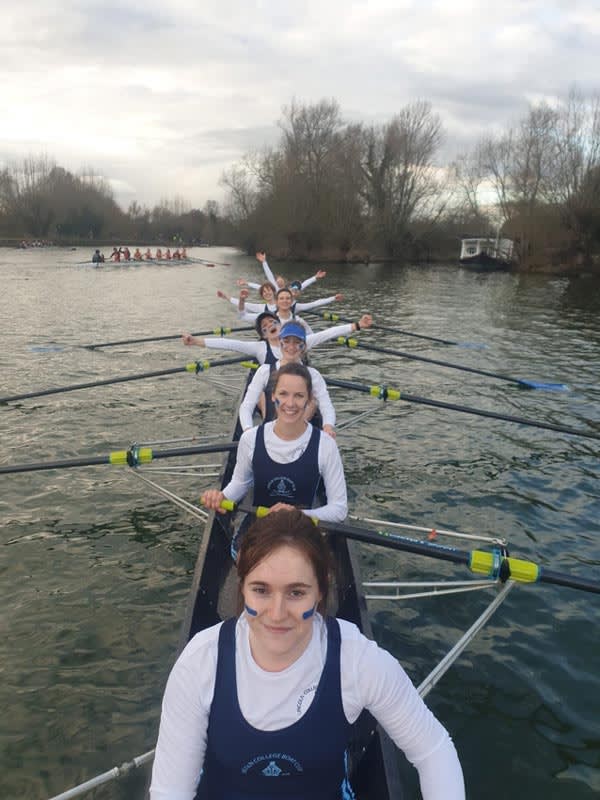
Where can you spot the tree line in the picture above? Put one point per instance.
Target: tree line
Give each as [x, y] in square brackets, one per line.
[333, 188]
[40, 199]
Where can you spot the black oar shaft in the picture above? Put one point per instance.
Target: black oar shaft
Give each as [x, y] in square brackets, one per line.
[329, 315]
[410, 398]
[497, 415]
[92, 461]
[109, 381]
[436, 361]
[450, 554]
[212, 332]
[397, 543]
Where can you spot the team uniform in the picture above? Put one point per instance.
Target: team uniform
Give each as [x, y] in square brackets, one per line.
[255, 308]
[260, 383]
[266, 353]
[256, 734]
[288, 471]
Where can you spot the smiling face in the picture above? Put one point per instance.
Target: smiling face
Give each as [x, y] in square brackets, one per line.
[291, 397]
[267, 293]
[280, 594]
[284, 300]
[293, 348]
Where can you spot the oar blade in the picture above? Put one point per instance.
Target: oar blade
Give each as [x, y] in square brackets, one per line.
[547, 387]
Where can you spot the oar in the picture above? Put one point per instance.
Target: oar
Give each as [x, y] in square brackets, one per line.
[528, 384]
[194, 366]
[491, 564]
[215, 332]
[387, 393]
[132, 458]
[494, 565]
[206, 261]
[328, 315]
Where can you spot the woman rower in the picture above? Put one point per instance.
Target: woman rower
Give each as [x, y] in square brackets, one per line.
[138, 254]
[284, 460]
[159, 254]
[267, 350]
[287, 308]
[148, 255]
[265, 290]
[258, 395]
[280, 281]
[262, 705]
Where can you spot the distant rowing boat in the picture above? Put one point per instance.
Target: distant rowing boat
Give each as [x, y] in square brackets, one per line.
[141, 262]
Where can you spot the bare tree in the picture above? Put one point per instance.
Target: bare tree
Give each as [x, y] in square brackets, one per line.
[398, 170]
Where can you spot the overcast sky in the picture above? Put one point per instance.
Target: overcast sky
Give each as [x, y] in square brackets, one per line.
[160, 96]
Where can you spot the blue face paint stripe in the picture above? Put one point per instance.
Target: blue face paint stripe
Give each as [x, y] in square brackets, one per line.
[250, 611]
[308, 614]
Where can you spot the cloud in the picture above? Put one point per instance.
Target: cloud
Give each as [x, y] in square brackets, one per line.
[161, 96]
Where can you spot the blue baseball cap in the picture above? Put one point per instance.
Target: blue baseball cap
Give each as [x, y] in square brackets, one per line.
[292, 329]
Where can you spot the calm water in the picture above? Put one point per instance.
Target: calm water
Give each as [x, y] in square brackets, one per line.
[96, 567]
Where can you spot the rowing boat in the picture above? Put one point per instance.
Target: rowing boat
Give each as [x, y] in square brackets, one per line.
[373, 759]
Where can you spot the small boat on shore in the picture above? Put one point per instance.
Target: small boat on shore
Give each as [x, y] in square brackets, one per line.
[486, 254]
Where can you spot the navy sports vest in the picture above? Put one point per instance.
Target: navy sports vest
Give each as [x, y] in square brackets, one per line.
[306, 761]
[270, 357]
[295, 483]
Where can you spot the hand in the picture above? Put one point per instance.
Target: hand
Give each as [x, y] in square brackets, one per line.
[187, 338]
[222, 295]
[339, 297]
[241, 282]
[262, 257]
[244, 293]
[320, 274]
[329, 429]
[281, 507]
[212, 499]
[366, 321]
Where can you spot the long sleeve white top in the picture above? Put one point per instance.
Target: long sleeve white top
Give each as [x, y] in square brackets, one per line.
[254, 308]
[324, 301]
[249, 316]
[259, 383]
[258, 349]
[284, 451]
[371, 678]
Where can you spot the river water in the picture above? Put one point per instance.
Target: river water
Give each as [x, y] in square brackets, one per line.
[96, 567]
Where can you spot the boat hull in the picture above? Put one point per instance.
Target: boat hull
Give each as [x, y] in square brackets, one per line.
[485, 263]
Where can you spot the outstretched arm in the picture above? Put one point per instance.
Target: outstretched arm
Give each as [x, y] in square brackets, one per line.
[314, 339]
[324, 301]
[188, 339]
[313, 279]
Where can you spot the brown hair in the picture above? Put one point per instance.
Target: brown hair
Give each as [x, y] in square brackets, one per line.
[284, 289]
[263, 286]
[293, 368]
[291, 529]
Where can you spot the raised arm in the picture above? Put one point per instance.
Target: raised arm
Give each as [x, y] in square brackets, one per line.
[261, 256]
